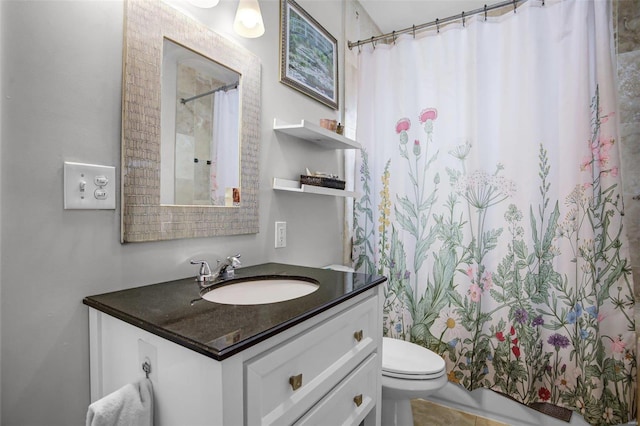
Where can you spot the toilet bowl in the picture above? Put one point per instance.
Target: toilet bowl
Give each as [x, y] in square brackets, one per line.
[409, 371]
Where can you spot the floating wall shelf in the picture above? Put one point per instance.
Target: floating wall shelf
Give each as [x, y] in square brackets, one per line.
[294, 186]
[316, 134]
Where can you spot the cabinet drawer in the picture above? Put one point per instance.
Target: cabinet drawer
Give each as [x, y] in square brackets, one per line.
[319, 359]
[350, 402]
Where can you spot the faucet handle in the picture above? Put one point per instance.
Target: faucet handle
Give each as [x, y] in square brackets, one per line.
[234, 261]
[205, 271]
[225, 269]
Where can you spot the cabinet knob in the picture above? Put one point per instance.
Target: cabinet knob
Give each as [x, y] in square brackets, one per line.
[358, 335]
[295, 381]
[357, 400]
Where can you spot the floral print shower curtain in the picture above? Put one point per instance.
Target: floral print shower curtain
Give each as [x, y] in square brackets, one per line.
[491, 199]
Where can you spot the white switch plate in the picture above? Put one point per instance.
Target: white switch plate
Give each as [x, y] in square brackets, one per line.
[89, 186]
[281, 234]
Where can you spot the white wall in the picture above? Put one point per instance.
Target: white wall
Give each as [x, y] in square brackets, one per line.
[61, 87]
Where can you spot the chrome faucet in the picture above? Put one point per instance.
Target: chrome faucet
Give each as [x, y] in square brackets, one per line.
[223, 271]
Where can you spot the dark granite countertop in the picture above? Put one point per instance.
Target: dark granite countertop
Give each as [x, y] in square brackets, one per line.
[219, 331]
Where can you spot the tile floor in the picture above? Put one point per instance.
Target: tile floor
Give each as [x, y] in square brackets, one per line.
[426, 413]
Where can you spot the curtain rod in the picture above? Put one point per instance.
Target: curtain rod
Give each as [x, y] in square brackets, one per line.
[437, 22]
[225, 88]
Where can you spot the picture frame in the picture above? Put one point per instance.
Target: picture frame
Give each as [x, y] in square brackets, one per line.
[308, 55]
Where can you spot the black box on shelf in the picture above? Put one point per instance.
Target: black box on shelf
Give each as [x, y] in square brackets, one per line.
[322, 181]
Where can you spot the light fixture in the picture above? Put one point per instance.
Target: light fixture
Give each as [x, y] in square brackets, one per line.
[205, 4]
[248, 22]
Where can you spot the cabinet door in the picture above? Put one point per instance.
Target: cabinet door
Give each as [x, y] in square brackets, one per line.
[350, 402]
[285, 383]
[189, 388]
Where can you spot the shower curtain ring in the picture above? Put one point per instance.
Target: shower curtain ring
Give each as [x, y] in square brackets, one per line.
[394, 37]
[514, 6]
[373, 43]
[485, 12]
[359, 48]
[463, 18]
[414, 31]
[437, 25]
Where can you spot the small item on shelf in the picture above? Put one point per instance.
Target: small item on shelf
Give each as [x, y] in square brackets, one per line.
[326, 180]
[328, 124]
[232, 197]
[340, 129]
[322, 181]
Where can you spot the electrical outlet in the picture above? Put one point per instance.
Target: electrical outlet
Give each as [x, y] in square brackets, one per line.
[281, 234]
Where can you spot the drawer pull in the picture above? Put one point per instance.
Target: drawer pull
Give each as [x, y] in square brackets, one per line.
[358, 335]
[295, 381]
[358, 400]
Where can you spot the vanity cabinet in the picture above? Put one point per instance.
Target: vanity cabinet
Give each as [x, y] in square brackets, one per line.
[287, 381]
[324, 370]
[315, 134]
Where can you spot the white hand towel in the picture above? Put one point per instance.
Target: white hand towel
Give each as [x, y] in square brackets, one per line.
[131, 405]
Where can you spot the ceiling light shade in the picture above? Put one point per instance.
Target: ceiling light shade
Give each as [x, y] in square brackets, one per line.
[205, 4]
[248, 22]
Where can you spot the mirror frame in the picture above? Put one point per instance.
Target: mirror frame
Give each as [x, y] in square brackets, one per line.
[147, 24]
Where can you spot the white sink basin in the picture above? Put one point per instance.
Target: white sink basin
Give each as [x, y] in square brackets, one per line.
[260, 291]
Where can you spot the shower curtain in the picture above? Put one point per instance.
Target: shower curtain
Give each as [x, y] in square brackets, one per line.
[491, 199]
[225, 145]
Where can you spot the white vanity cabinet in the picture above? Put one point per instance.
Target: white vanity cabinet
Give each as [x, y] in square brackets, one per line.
[323, 371]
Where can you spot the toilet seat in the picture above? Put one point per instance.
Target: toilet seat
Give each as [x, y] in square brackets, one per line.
[408, 361]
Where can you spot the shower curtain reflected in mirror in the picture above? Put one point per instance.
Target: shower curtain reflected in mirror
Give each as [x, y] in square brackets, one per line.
[492, 201]
[225, 167]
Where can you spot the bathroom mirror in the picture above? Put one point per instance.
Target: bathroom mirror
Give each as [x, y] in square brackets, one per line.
[165, 192]
[200, 156]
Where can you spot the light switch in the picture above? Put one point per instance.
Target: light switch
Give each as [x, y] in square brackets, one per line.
[89, 186]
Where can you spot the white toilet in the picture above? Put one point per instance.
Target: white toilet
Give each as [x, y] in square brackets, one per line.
[409, 371]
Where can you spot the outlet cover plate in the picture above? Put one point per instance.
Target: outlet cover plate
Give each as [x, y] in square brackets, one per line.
[281, 234]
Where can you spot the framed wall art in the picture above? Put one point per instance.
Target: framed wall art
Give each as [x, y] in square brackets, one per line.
[308, 55]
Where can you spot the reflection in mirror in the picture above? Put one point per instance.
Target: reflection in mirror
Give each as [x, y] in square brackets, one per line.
[200, 155]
